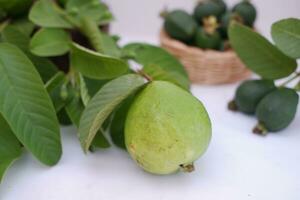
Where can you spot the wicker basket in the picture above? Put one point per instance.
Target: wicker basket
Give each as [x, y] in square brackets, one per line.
[206, 66]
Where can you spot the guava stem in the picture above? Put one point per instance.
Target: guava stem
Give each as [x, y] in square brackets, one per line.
[260, 129]
[232, 106]
[187, 167]
[145, 75]
[296, 75]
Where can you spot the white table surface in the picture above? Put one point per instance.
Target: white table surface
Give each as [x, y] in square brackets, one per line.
[238, 165]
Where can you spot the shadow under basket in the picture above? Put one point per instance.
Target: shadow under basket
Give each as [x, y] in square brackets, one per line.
[206, 66]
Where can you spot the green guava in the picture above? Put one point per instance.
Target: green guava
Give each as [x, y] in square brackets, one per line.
[247, 11]
[250, 93]
[166, 129]
[276, 110]
[208, 8]
[205, 40]
[226, 20]
[180, 25]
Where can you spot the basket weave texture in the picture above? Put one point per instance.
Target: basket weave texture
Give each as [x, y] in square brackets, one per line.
[206, 66]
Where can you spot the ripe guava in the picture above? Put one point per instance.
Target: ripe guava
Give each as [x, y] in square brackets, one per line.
[166, 129]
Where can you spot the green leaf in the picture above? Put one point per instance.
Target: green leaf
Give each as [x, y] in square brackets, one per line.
[95, 65]
[46, 13]
[259, 54]
[13, 35]
[50, 42]
[286, 35]
[94, 85]
[95, 10]
[54, 88]
[27, 107]
[152, 56]
[110, 46]
[10, 148]
[23, 25]
[84, 93]
[75, 107]
[118, 122]
[102, 105]
[100, 141]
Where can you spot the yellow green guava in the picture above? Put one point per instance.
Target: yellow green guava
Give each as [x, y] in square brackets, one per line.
[166, 129]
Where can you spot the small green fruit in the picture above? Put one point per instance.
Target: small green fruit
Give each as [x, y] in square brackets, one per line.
[222, 4]
[208, 41]
[226, 20]
[208, 8]
[166, 129]
[276, 110]
[247, 11]
[180, 25]
[250, 93]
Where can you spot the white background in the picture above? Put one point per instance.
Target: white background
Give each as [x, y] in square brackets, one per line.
[238, 165]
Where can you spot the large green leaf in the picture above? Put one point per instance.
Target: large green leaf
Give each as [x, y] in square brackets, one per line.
[27, 107]
[286, 35]
[50, 42]
[259, 54]
[13, 35]
[103, 103]
[46, 13]
[95, 65]
[95, 10]
[10, 148]
[152, 56]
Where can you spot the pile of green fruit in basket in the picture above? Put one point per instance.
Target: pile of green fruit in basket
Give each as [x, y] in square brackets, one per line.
[148, 112]
[208, 26]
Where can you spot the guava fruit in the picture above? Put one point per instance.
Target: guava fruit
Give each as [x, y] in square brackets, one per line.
[249, 94]
[208, 8]
[166, 129]
[180, 25]
[276, 110]
[206, 40]
[247, 11]
[15, 8]
[226, 20]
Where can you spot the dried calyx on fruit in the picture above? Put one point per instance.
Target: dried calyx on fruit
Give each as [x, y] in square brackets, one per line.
[166, 129]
